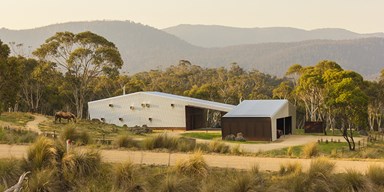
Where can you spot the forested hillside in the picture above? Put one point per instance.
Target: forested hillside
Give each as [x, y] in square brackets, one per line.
[222, 36]
[144, 48]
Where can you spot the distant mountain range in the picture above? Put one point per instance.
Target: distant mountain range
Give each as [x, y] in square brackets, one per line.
[222, 36]
[273, 51]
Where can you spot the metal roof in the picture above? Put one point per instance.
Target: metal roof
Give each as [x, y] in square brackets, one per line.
[188, 100]
[257, 108]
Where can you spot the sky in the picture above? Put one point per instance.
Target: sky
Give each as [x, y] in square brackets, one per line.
[362, 16]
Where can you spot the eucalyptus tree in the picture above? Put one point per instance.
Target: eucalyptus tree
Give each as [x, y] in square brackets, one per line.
[82, 58]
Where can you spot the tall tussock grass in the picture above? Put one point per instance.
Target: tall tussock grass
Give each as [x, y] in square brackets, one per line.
[10, 171]
[218, 146]
[126, 178]
[291, 167]
[125, 141]
[78, 137]
[41, 154]
[195, 166]
[44, 180]
[78, 164]
[355, 181]
[310, 150]
[175, 183]
[161, 141]
[376, 174]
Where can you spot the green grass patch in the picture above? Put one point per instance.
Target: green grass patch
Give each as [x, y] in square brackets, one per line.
[98, 131]
[336, 132]
[202, 135]
[16, 118]
[13, 136]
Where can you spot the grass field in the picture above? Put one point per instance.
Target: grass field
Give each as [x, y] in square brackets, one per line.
[16, 118]
[202, 135]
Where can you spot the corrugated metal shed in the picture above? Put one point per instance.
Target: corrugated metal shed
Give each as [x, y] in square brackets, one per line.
[260, 119]
[257, 108]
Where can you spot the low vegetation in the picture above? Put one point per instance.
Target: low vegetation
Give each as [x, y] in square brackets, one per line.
[203, 135]
[55, 170]
[16, 118]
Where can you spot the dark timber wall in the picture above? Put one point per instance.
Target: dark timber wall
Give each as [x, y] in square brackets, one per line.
[253, 128]
[195, 118]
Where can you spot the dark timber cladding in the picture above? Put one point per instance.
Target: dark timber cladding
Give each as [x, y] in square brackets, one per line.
[253, 128]
[195, 118]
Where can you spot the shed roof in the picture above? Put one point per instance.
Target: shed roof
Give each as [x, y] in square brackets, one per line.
[257, 108]
[188, 100]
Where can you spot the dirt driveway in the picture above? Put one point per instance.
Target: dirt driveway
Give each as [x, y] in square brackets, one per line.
[223, 161]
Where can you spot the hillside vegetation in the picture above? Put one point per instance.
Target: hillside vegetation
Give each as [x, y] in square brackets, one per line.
[144, 48]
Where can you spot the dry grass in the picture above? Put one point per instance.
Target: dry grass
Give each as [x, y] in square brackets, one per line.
[376, 174]
[79, 164]
[310, 150]
[355, 181]
[161, 141]
[125, 141]
[44, 180]
[126, 178]
[218, 146]
[195, 166]
[42, 154]
[289, 168]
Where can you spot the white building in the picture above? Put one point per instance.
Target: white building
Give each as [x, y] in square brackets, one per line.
[155, 109]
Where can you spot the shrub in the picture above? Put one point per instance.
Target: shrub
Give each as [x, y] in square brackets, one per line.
[45, 180]
[160, 141]
[79, 164]
[175, 183]
[290, 151]
[194, 166]
[291, 167]
[355, 181]
[236, 149]
[242, 182]
[80, 138]
[186, 144]
[126, 178]
[125, 141]
[376, 174]
[41, 154]
[321, 167]
[310, 150]
[10, 171]
[218, 146]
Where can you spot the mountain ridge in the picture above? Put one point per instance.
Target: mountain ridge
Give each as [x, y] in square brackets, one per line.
[145, 48]
[206, 35]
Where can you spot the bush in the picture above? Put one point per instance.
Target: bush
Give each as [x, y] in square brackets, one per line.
[291, 167]
[355, 181]
[45, 180]
[42, 154]
[376, 174]
[126, 178]
[310, 150]
[186, 144]
[161, 141]
[12, 136]
[194, 166]
[10, 171]
[321, 167]
[290, 151]
[80, 164]
[125, 141]
[236, 149]
[242, 182]
[79, 138]
[218, 146]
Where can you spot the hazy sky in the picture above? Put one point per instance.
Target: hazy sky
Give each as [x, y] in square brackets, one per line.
[362, 16]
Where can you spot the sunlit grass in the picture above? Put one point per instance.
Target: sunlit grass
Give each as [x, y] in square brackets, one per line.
[16, 118]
